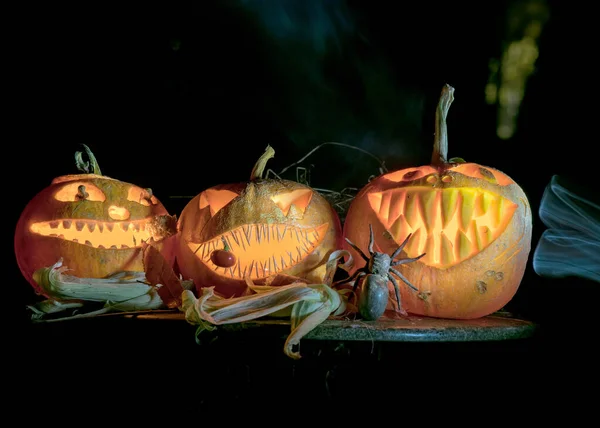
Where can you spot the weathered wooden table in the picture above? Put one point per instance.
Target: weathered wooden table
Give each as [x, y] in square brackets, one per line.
[411, 329]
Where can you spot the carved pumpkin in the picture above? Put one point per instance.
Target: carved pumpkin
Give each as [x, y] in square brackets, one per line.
[473, 222]
[96, 224]
[256, 229]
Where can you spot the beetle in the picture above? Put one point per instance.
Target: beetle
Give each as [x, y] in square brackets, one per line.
[374, 276]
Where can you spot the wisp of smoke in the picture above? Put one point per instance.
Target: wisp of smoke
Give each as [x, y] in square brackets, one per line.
[571, 244]
[335, 84]
[313, 21]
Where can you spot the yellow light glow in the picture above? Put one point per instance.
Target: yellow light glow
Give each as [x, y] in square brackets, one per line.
[78, 190]
[97, 234]
[118, 213]
[141, 196]
[261, 250]
[300, 198]
[450, 225]
[509, 75]
[215, 199]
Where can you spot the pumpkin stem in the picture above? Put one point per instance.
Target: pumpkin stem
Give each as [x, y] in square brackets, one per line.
[440, 143]
[261, 163]
[85, 166]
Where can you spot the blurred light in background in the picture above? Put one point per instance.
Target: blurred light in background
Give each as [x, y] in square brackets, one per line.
[508, 76]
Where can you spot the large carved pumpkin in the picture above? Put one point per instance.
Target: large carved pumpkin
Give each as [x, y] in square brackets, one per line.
[472, 221]
[256, 229]
[95, 223]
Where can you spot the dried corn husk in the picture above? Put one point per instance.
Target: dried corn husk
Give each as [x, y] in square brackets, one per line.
[123, 291]
[307, 305]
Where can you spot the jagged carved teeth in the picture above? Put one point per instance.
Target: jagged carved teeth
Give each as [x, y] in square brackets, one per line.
[261, 250]
[97, 234]
[450, 225]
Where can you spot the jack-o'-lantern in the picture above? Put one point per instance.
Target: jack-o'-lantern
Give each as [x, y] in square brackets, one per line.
[472, 221]
[96, 224]
[256, 230]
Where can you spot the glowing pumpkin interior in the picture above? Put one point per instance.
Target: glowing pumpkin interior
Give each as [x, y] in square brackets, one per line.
[259, 250]
[116, 232]
[449, 224]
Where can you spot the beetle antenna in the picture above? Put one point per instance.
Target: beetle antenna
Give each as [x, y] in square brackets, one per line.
[358, 250]
[403, 278]
[404, 261]
[401, 247]
[371, 240]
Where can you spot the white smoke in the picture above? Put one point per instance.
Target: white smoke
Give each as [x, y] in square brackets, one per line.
[571, 244]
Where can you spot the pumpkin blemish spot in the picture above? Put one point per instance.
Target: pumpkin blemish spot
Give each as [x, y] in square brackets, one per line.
[481, 287]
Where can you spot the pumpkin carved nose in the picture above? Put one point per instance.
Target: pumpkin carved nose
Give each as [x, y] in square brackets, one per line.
[118, 213]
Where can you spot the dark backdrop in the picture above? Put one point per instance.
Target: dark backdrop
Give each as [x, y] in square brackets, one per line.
[180, 96]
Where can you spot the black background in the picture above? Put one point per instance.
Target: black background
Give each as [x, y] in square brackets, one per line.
[180, 96]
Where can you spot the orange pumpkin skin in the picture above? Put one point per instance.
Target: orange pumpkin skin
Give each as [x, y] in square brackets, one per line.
[97, 229]
[269, 226]
[475, 228]
[473, 222]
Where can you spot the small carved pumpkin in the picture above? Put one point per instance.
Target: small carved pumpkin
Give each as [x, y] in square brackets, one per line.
[257, 230]
[96, 224]
[473, 222]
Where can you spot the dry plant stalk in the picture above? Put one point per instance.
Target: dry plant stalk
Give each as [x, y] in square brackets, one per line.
[307, 305]
[123, 291]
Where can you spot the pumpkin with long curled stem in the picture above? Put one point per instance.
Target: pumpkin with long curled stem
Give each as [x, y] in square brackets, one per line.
[473, 221]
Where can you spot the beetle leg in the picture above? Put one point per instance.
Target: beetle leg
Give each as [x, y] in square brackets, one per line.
[403, 278]
[371, 240]
[401, 247]
[360, 273]
[358, 250]
[397, 290]
[404, 261]
[354, 278]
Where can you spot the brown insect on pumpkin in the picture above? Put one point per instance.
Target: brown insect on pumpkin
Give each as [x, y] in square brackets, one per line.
[372, 279]
[256, 229]
[473, 222]
[95, 223]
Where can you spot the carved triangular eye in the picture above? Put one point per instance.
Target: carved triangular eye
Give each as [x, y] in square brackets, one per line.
[216, 199]
[299, 198]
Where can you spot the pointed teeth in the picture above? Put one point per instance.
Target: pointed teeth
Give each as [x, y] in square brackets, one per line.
[455, 223]
[104, 235]
[467, 207]
[261, 250]
[449, 201]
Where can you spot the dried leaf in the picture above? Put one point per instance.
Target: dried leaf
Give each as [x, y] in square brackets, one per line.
[160, 273]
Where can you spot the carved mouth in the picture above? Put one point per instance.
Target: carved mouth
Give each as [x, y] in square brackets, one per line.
[97, 234]
[261, 250]
[450, 225]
